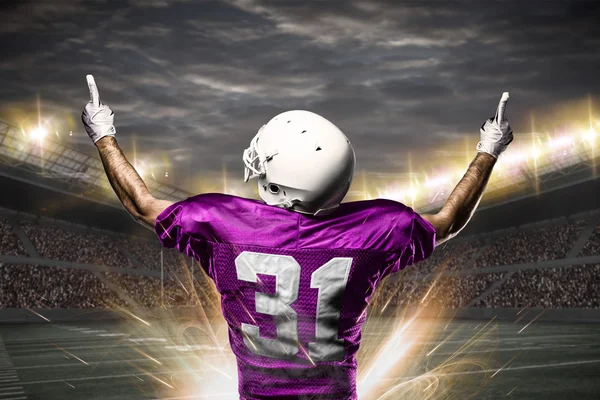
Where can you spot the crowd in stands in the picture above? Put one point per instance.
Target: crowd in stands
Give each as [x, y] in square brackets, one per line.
[9, 242]
[148, 255]
[34, 286]
[431, 282]
[592, 246]
[525, 246]
[566, 287]
[439, 292]
[146, 291]
[56, 243]
[449, 257]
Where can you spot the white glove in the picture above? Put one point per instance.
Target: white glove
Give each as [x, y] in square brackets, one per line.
[496, 133]
[97, 118]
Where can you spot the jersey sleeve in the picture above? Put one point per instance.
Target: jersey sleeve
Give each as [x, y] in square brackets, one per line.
[415, 242]
[185, 225]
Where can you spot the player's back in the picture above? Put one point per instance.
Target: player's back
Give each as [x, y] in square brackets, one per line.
[294, 288]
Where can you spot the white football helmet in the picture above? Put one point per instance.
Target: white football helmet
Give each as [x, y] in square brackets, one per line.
[302, 161]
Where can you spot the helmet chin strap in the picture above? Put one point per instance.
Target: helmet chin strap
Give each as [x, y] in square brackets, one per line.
[290, 205]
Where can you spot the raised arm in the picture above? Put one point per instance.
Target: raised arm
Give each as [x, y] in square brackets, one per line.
[496, 135]
[126, 182]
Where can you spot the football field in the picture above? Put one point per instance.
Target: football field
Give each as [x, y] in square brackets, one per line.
[130, 360]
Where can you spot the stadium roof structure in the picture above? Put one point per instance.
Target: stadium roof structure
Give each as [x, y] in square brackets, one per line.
[529, 167]
[59, 167]
[557, 162]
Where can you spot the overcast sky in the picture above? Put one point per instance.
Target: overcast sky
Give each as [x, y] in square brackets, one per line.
[195, 80]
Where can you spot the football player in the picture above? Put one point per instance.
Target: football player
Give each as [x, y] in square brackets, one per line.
[296, 270]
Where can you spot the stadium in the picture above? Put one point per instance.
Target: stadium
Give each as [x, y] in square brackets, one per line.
[377, 300]
[92, 307]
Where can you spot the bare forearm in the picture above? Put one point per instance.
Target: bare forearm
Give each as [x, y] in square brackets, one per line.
[98, 120]
[124, 179]
[496, 135]
[462, 202]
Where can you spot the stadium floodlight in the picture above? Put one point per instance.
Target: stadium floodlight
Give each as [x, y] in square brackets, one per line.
[18, 149]
[512, 157]
[38, 133]
[437, 182]
[560, 142]
[567, 151]
[536, 152]
[589, 135]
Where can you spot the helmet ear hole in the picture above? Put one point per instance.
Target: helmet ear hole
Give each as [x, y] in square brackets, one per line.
[273, 188]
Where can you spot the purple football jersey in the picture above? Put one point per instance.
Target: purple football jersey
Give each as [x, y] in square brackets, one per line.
[294, 287]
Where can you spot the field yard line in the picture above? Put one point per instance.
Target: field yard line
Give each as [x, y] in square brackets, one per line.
[84, 353]
[51, 346]
[94, 363]
[537, 366]
[8, 377]
[507, 369]
[10, 388]
[15, 342]
[99, 337]
[12, 393]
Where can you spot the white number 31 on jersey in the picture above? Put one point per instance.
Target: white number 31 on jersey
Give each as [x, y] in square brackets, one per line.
[330, 279]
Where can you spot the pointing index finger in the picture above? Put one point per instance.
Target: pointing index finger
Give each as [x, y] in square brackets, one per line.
[501, 108]
[94, 95]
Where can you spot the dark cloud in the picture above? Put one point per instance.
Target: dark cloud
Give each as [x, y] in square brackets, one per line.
[194, 80]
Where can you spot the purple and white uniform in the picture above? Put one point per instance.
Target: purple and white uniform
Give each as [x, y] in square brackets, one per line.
[294, 287]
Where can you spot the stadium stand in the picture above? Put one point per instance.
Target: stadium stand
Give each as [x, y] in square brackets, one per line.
[441, 292]
[146, 253]
[527, 246]
[450, 257]
[149, 253]
[9, 242]
[497, 270]
[60, 244]
[567, 287]
[33, 286]
[145, 290]
[592, 247]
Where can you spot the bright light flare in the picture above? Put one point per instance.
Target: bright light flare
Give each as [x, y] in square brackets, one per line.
[38, 133]
[140, 169]
[512, 157]
[389, 355]
[392, 195]
[412, 192]
[437, 182]
[589, 135]
[39, 315]
[571, 142]
[535, 152]
[560, 142]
